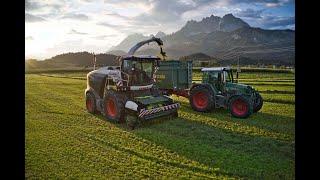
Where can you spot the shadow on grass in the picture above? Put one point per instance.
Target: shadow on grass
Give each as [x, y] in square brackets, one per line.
[234, 153]
[264, 124]
[231, 152]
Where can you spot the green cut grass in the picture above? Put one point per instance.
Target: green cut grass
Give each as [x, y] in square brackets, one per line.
[64, 141]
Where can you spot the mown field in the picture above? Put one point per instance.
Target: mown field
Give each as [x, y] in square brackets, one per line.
[64, 141]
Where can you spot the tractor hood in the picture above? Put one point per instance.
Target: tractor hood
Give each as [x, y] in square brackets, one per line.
[246, 89]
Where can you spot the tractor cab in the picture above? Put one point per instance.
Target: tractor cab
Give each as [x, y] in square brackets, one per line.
[139, 70]
[222, 80]
[219, 77]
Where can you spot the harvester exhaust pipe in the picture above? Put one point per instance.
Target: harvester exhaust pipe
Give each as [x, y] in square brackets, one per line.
[94, 61]
[238, 69]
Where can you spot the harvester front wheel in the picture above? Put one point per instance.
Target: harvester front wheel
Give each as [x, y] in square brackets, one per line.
[201, 99]
[131, 121]
[239, 107]
[258, 102]
[113, 107]
[175, 114]
[91, 103]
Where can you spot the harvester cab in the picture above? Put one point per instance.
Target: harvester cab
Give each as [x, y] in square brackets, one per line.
[127, 94]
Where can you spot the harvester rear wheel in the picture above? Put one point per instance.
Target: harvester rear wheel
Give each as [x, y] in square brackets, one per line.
[239, 107]
[257, 103]
[113, 107]
[201, 99]
[91, 103]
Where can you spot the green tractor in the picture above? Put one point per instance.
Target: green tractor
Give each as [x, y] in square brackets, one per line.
[218, 89]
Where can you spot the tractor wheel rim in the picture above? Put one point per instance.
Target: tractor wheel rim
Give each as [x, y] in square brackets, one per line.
[89, 104]
[200, 100]
[111, 108]
[239, 107]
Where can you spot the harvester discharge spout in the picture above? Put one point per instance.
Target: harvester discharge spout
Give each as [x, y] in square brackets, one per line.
[140, 44]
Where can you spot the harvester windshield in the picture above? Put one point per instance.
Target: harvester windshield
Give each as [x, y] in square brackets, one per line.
[140, 72]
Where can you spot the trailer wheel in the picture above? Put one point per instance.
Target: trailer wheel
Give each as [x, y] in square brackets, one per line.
[201, 99]
[91, 103]
[258, 102]
[239, 106]
[113, 107]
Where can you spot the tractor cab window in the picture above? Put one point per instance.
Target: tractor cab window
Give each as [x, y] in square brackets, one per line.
[140, 72]
[213, 77]
[227, 76]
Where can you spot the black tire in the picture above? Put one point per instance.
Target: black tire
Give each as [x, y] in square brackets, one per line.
[175, 114]
[91, 103]
[113, 107]
[240, 106]
[258, 103]
[131, 121]
[201, 99]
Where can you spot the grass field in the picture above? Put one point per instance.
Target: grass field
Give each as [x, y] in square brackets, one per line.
[64, 141]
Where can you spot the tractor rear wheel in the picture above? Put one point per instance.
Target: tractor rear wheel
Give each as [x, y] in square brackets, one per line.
[258, 102]
[91, 103]
[239, 106]
[201, 99]
[113, 107]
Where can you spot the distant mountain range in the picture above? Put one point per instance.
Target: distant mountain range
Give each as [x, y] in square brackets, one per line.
[71, 60]
[227, 39]
[222, 40]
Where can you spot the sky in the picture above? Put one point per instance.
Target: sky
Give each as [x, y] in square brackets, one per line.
[54, 27]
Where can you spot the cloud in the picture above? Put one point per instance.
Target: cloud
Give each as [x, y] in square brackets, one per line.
[80, 17]
[72, 31]
[165, 12]
[103, 37]
[87, 1]
[117, 15]
[29, 38]
[250, 13]
[38, 5]
[278, 22]
[32, 18]
[111, 25]
[130, 28]
[29, 5]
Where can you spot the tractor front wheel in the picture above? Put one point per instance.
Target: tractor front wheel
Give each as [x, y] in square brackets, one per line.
[258, 102]
[113, 107]
[239, 107]
[201, 99]
[91, 103]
